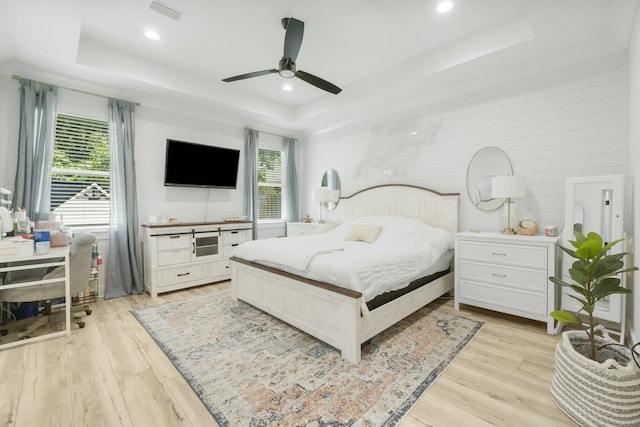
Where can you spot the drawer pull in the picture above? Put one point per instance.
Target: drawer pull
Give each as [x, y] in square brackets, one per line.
[235, 244]
[183, 274]
[498, 253]
[226, 266]
[174, 237]
[498, 275]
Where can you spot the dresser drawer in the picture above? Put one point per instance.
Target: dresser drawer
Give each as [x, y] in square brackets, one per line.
[525, 256]
[174, 241]
[235, 236]
[172, 276]
[518, 278]
[176, 256]
[219, 269]
[505, 299]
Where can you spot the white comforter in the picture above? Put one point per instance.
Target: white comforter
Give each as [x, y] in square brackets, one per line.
[405, 250]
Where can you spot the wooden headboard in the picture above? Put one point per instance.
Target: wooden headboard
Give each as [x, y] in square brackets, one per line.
[437, 209]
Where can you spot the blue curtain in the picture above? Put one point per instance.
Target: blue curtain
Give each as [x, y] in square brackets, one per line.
[251, 178]
[32, 190]
[124, 264]
[291, 183]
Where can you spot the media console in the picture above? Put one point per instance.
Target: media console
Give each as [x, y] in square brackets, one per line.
[182, 255]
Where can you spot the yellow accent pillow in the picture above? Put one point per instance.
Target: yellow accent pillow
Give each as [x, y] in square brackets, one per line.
[364, 233]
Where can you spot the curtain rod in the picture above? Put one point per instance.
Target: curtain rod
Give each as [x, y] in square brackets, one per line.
[137, 104]
[275, 134]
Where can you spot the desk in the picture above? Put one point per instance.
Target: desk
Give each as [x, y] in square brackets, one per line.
[58, 256]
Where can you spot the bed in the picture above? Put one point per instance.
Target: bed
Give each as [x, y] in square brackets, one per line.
[346, 317]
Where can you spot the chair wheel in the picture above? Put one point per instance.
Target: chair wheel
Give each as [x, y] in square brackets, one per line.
[81, 325]
[88, 312]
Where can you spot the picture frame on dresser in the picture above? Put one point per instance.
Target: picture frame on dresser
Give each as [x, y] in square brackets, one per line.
[507, 274]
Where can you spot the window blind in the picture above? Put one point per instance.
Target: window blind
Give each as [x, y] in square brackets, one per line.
[269, 184]
[80, 171]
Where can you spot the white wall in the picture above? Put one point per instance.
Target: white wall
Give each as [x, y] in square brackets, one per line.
[153, 127]
[573, 127]
[634, 158]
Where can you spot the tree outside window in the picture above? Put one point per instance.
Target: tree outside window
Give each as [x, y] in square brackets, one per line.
[269, 184]
[80, 171]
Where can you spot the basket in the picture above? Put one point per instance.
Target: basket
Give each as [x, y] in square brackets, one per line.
[591, 393]
[528, 227]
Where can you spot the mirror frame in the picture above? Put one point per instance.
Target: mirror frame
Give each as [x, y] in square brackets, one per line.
[486, 163]
[331, 179]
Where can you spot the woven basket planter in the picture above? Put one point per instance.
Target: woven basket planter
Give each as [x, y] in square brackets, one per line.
[591, 393]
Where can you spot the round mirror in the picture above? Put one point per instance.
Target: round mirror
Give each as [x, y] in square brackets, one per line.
[331, 180]
[485, 164]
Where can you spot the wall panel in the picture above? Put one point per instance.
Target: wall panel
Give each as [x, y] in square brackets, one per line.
[573, 127]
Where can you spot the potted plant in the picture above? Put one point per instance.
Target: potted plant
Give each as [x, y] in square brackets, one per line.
[596, 382]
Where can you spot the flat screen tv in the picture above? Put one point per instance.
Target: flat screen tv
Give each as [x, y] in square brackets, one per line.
[197, 165]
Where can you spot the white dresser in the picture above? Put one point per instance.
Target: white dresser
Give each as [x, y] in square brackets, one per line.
[306, 228]
[178, 256]
[506, 273]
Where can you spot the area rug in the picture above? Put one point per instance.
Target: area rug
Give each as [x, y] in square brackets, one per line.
[251, 369]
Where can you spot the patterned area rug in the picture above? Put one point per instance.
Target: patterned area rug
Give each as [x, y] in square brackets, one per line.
[251, 369]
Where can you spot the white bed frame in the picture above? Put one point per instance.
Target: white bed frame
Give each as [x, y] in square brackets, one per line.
[335, 315]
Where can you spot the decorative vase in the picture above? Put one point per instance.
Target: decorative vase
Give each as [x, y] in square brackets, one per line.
[596, 393]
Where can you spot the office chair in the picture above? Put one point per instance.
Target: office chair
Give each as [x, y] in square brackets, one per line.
[79, 265]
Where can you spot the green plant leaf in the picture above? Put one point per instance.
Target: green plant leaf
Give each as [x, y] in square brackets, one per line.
[579, 275]
[591, 247]
[606, 287]
[584, 303]
[580, 290]
[559, 281]
[569, 251]
[580, 239]
[566, 317]
[606, 267]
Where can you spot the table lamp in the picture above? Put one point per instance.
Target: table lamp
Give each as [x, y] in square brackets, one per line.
[321, 195]
[508, 187]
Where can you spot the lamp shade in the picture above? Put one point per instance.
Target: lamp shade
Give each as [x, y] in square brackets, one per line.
[334, 195]
[508, 186]
[320, 194]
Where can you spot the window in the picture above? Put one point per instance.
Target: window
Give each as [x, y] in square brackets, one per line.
[269, 184]
[80, 171]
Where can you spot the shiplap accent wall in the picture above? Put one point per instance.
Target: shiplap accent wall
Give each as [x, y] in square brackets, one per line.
[573, 127]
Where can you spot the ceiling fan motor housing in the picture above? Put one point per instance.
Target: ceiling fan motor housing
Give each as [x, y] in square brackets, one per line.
[287, 68]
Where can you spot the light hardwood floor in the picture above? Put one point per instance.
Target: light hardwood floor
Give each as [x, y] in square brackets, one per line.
[111, 373]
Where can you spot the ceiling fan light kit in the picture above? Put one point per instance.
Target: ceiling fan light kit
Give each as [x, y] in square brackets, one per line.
[287, 66]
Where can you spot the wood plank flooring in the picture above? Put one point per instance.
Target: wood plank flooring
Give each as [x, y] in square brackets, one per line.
[111, 373]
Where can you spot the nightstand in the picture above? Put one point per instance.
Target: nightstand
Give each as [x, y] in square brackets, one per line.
[306, 228]
[509, 274]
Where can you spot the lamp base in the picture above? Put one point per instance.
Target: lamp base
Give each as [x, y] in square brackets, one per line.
[321, 221]
[508, 231]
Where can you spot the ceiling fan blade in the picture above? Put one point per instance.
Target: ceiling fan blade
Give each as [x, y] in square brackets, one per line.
[293, 38]
[250, 75]
[318, 82]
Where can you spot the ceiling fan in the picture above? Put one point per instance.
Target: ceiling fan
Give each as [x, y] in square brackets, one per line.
[287, 66]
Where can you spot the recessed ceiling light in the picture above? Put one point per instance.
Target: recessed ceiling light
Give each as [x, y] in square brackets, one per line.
[152, 35]
[287, 87]
[444, 6]
[414, 133]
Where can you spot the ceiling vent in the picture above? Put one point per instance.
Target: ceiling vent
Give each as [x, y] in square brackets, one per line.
[165, 9]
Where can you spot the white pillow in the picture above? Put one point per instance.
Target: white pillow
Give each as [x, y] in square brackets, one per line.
[363, 232]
